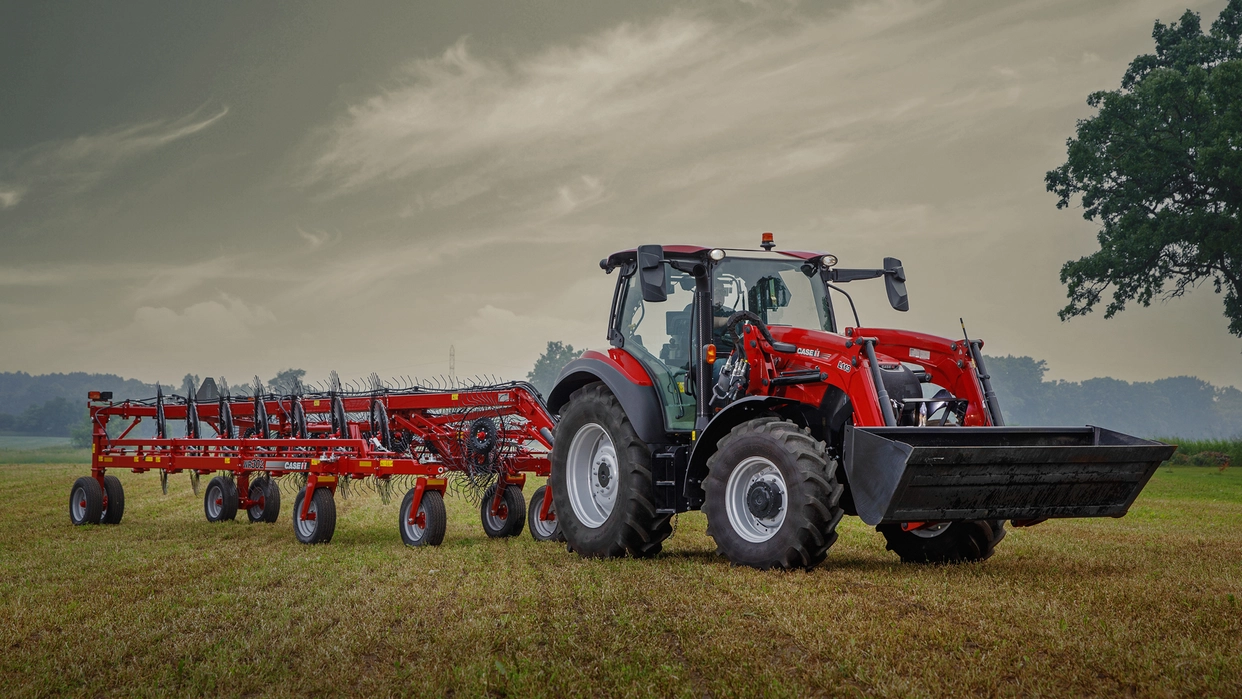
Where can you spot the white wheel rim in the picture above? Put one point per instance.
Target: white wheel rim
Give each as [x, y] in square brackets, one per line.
[546, 528]
[413, 532]
[494, 521]
[79, 506]
[931, 531]
[591, 474]
[215, 501]
[306, 527]
[751, 472]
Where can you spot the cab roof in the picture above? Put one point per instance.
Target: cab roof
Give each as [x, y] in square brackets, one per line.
[623, 256]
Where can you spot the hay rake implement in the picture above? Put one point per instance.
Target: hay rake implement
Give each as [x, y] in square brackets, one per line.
[483, 439]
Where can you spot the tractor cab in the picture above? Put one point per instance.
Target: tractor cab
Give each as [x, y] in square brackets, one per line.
[672, 305]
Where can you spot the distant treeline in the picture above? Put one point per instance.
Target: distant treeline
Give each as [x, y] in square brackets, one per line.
[51, 405]
[1181, 406]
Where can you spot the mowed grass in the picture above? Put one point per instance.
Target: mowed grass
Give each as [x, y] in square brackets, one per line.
[168, 604]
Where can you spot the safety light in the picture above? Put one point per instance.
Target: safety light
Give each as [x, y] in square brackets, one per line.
[709, 354]
[768, 243]
[828, 260]
[716, 254]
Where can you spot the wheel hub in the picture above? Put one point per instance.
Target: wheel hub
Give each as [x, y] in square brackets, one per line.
[603, 474]
[763, 500]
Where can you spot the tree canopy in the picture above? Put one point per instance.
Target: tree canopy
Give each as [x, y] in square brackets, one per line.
[284, 381]
[549, 365]
[1159, 167]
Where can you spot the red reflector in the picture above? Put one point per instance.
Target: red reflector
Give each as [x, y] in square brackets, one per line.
[709, 354]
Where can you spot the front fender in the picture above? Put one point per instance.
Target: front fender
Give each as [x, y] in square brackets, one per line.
[640, 402]
[734, 414]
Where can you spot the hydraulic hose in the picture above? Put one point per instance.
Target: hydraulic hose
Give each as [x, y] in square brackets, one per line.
[763, 330]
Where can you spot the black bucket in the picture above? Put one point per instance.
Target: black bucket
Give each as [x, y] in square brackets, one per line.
[939, 474]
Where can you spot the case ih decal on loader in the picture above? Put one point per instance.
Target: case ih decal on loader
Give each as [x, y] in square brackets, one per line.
[731, 386]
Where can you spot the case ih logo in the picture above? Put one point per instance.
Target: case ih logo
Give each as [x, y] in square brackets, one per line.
[808, 352]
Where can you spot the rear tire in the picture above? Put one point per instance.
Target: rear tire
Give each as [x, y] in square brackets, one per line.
[320, 529]
[512, 516]
[115, 509]
[435, 520]
[85, 501]
[266, 491]
[541, 530]
[610, 513]
[772, 499]
[220, 500]
[955, 542]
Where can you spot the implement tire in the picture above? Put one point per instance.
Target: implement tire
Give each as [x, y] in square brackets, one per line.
[114, 510]
[512, 516]
[772, 498]
[320, 529]
[220, 500]
[951, 542]
[435, 520]
[601, 480]
[85, 501]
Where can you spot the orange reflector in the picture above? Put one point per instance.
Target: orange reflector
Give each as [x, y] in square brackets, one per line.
[709, 354]
[93, 395]
[767, 238]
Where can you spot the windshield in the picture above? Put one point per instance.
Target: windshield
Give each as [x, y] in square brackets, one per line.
[780, 292]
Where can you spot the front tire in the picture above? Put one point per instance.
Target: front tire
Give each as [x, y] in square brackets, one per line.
[947, 542]
[601, 480]
[772, 499]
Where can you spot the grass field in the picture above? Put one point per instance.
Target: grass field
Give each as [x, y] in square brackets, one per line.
[167, 604]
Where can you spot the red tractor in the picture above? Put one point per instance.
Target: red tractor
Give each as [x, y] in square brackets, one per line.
[733, 387]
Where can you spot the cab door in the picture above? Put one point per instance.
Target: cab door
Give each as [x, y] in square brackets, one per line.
[660, 335]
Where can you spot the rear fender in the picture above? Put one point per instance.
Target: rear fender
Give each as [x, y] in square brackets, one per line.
[639, 400]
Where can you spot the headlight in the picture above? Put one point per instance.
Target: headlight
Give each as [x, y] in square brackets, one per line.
[716, 254]
[828, 260]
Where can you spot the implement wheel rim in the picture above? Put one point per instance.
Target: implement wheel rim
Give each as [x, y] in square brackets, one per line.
[79, 504]
[215, 501]
[306, 527]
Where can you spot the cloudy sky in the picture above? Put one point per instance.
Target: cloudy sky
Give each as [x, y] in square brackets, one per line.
[235, 188]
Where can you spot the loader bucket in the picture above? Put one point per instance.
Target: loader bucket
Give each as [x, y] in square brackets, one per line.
[937, 474]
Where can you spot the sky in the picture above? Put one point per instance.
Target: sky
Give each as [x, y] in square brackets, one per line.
[237, 188]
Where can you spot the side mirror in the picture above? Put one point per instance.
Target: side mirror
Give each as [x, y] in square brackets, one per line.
[895, 283]
[651, 273]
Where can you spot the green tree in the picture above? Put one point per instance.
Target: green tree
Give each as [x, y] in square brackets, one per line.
[189, 385]
[549, 365]
[284, 381]
[1159, 167]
